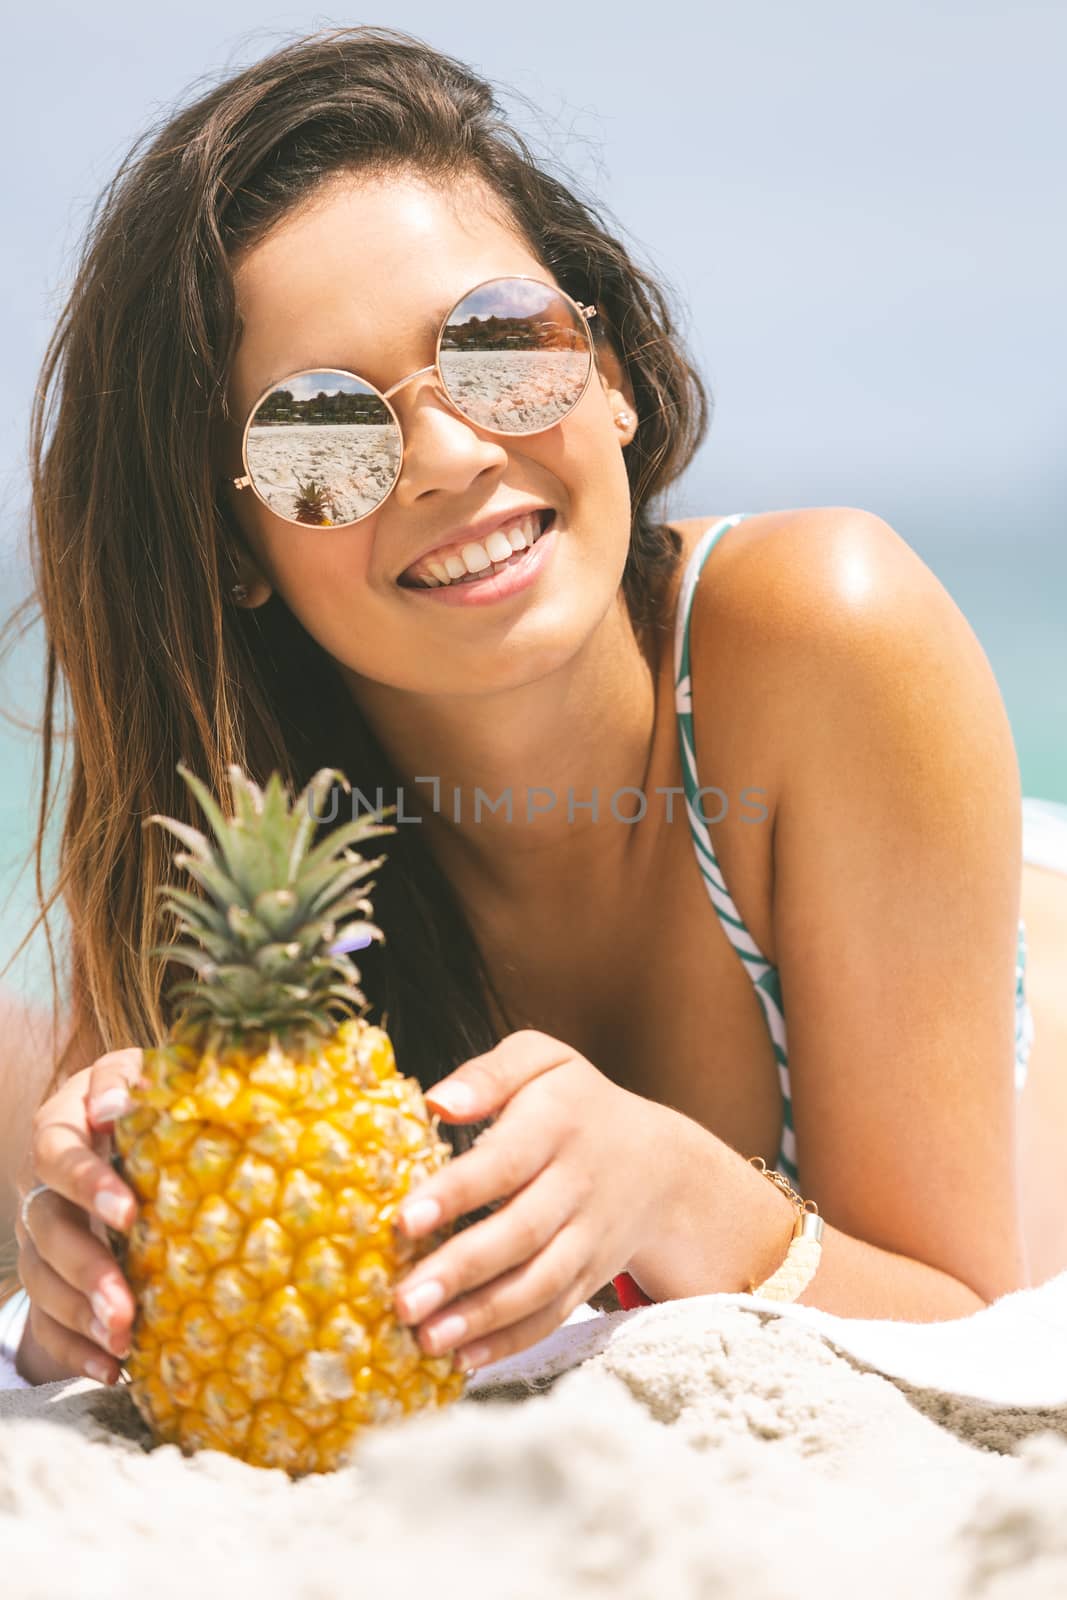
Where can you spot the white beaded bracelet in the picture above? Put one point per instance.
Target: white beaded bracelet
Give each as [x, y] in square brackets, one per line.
[805, 1247]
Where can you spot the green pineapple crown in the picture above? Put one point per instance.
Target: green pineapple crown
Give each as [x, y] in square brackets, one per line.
[259, 938]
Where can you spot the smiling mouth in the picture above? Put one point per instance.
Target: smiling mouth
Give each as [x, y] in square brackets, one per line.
[539, 522]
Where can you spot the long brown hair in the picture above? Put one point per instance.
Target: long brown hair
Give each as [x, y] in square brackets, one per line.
[133, 547]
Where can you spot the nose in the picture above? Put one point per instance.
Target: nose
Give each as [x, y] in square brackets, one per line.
[442, 450]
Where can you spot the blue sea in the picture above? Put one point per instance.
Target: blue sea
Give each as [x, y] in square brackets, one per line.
[1013, 592]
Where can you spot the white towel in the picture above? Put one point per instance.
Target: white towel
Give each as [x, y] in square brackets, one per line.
[12, 1321]
[1012, 1352]
[9, 1378]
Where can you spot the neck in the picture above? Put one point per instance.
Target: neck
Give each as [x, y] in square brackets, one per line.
[550, 745]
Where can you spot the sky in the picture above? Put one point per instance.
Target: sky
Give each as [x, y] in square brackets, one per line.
[859, 211]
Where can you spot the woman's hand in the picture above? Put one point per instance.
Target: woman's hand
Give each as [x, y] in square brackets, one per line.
[583, 1162]
[81, 1308]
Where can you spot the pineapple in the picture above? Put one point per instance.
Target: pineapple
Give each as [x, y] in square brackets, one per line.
[312, 504]
[270, 1143]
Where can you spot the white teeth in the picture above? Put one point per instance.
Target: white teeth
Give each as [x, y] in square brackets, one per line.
[498, 546]
[476, 556]
[479, 555]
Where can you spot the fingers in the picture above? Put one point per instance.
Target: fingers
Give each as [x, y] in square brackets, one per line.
[520, 1307]
[518, 1336]
[71, 1351]
[486, 1082]
[497, 1166]
[60, 1238]
[510, 1256]
[110, 1079]
[66, 1308]
[62, 1143]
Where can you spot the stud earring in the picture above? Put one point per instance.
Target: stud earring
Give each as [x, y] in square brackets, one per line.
[239, 592]
[623, 417]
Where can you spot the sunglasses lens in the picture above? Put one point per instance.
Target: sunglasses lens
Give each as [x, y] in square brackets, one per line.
[323, 448]
[515, 356]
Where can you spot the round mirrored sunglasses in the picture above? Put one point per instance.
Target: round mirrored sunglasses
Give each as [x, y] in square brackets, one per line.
[324, 446]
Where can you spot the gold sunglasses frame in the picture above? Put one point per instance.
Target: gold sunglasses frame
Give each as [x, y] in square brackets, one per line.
[585, 316]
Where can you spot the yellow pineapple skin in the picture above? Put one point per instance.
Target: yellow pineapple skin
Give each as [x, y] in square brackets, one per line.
[264, 1255]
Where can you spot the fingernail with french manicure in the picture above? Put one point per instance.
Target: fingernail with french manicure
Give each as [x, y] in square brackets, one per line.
[110, 1104]
[455, 1097]
[101, 1334]
[114, 1209]
[418, 1214]
[103, 1310]
[422, 1299]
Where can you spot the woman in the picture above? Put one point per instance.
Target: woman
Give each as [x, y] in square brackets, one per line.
[301, 237]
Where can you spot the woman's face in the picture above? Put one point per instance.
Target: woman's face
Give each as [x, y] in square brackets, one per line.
[360, 279]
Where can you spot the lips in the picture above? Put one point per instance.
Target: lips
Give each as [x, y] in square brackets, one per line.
[477, 533]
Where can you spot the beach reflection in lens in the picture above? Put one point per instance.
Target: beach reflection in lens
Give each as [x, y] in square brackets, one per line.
[515, 355]
[323, 448]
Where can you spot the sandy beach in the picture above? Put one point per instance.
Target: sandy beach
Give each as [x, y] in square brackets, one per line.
[701, 1448]
[511, 389]
[346, 461]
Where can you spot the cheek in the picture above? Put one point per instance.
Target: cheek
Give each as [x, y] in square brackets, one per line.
[590, 463]
[329, 594]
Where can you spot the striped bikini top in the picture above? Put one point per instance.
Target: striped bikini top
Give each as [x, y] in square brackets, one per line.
[764, 976]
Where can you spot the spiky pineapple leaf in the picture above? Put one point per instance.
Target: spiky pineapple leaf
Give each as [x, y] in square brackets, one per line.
[188, 955]
[199, 912]
[222, 889]
[218, 946]
[229, 845]
[277, 910]
[259, 937]
[327, 889]
[307, 808]
[360, 828]
[275, 828]
[276, 960]
[247, 927]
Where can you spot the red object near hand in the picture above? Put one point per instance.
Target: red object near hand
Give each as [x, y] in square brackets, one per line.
[629, 1294]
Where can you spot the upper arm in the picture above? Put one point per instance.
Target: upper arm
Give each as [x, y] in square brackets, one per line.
[25, 1066]
[31, 1070]
[897, 864]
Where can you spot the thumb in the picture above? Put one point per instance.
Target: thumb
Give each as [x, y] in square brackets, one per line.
[477, 1088]
[459, 1097]
[484, 1084]
[108, 1094]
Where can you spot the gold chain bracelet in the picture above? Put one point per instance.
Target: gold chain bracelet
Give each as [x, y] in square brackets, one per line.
[805, 1246]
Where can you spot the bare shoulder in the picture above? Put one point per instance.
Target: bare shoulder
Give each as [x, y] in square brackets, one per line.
[814, 550]
[794, 606]
[26, 1029]
[819, 577]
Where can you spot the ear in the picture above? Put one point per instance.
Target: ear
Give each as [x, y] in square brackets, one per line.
[245, 574]
[246, 586]
[248, 592]
[618, 390]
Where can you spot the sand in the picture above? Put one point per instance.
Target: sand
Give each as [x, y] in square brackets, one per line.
[356, 466]
[356, 463]
[701, 1449]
